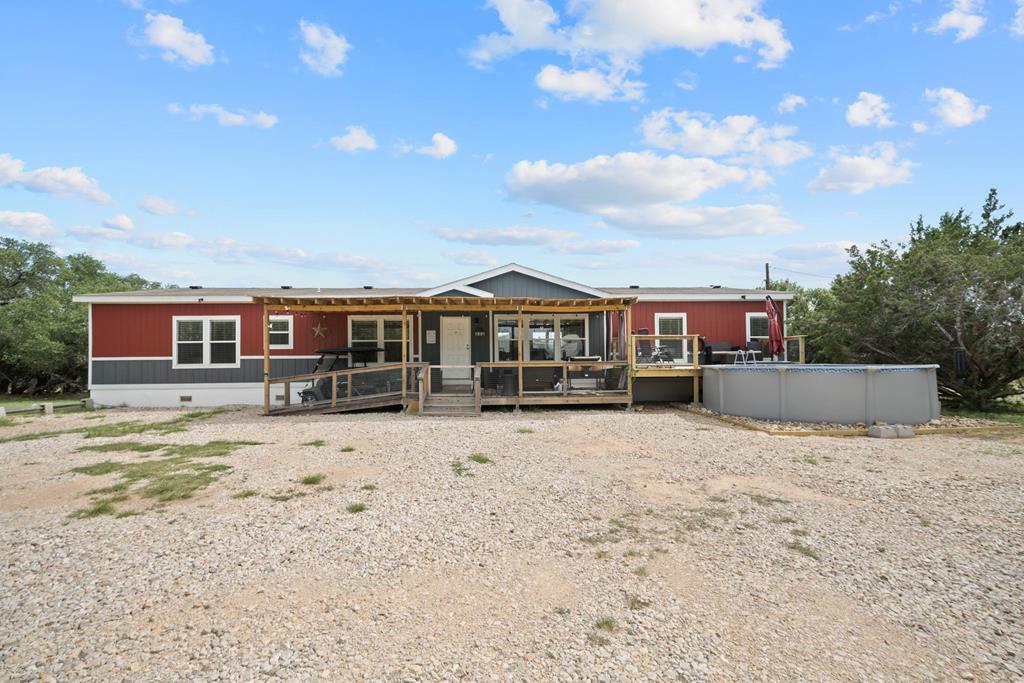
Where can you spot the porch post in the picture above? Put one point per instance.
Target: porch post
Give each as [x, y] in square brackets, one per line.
[266, 359]
[519, 355]
[405, 349]
[631, 349]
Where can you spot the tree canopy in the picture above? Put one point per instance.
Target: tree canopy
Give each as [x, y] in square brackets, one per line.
[954, 286]
[43, 335]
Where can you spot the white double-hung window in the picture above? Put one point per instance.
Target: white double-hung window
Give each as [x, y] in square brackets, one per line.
[206, 341]
[757, 327]
[281, 333]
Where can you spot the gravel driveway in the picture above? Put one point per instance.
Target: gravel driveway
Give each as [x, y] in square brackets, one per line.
[594, 545]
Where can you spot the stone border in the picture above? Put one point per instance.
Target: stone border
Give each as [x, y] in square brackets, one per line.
[843, 432]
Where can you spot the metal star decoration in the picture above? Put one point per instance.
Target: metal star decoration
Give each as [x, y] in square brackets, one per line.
[319, 330]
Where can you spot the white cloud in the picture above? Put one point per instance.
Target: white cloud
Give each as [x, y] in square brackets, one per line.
[627, 178]
[356, 138]
[875, 166]
[869, 110]
[954, 108]
[919, 127]
[743, 139]
[676, 221]
[558, 241]
[442, 147]
[790, 102]
[473, 257]
[326, 52]
[1017, 27]
[28, 223]
[592, 85]
[617, 32]
[964, 17]
[119, 222]
[158, 206]
[51, 180]
[687, 81]
[178, 43]
[197, 112]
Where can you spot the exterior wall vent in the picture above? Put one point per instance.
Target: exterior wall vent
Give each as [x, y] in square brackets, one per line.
[367, 286]
[634, 286]
[185, 399]
[286, 286]
[195, 286]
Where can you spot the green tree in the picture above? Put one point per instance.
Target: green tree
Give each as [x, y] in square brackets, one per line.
[43, 335]
[956, 286]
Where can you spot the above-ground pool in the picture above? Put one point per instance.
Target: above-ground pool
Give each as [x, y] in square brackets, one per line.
[847, 394]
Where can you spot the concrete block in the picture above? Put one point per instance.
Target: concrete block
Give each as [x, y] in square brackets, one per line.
[882, 432]
[88, 404]
[3, 411]
[904, 431]
[47, 409]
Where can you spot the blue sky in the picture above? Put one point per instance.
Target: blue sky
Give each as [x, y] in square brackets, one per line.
[649, 142]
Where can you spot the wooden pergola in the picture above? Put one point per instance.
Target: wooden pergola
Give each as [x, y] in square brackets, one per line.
[405, 305]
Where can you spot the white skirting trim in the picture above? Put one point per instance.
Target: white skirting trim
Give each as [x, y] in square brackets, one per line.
[198, 395]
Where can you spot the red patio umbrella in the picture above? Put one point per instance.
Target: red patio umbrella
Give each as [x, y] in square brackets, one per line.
[776, 345]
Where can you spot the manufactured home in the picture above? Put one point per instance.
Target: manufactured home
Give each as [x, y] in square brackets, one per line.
[507, 336]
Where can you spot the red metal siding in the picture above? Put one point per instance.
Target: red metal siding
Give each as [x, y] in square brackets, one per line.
[144, 330]
[713, 320]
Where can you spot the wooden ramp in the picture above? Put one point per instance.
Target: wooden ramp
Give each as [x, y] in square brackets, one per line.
[342, 391]
[343, 405]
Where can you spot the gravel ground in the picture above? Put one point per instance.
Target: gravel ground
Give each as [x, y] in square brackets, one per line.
[597, 545]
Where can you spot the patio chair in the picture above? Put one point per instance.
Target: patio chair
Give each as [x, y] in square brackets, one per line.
[711, 356]
[647, 352]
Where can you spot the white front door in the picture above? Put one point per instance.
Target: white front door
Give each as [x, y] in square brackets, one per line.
[455, 345]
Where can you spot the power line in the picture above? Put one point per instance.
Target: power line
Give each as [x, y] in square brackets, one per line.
[798, 272]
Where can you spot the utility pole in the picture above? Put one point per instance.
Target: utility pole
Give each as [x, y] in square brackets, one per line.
[767, 278]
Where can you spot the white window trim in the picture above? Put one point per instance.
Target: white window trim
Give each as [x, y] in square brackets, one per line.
[750, 316]
[206, 364]
[291, 331]
[380, 335]
[556, 318]
[685, 360]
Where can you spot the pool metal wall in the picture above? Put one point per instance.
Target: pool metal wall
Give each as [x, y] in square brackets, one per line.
[847, 394]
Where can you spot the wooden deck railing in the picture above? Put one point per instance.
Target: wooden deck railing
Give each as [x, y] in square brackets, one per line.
[563, 371]
[652, 355]
[345, 387]
[801, 340]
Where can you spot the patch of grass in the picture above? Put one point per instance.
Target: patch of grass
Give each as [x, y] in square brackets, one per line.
[246, 493]
[718, 499]
[800, 532]
[316, 443]
[924, 521]
[355, 507]
[123, 447]
[127, 513]
[325, 488]
[119, 487]
[96, 509]
[635, 602]
[36, 436]
[562, 611]
[95, 417]
[347, 449]
[129, 427]
[524, 430]
[287, 495]
[459, 469]
[810, 460]
[98, 469]
[597, 639]
[764, 500]
[804, 550]
[311, 479]
[368, 487]
[481, 459]
[178, 485]
[606, 624]
[210, 449]
[7, 422]
[602, 554]
[784, 520]
[641, 571]
[632, 552]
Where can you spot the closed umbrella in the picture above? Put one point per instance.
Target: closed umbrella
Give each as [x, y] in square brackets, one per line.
[776, 345]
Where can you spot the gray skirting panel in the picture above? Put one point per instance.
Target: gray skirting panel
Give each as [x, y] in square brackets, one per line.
[159, 371]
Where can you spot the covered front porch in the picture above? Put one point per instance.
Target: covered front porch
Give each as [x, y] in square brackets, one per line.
[459, 353]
